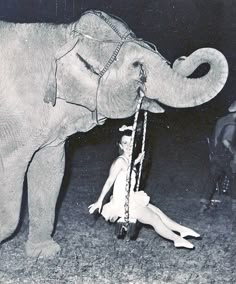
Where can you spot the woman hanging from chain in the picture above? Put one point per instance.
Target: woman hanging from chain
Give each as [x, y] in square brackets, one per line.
[139, 206]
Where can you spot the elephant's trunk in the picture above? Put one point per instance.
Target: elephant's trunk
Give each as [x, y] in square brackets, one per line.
[171, 87]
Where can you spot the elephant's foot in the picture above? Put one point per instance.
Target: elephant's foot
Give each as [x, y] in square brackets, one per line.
[42, 249]
[7, 230]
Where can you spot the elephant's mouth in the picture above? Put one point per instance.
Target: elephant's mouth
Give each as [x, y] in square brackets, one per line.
[101, 121]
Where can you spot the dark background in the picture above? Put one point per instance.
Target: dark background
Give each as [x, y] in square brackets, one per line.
[176, 27]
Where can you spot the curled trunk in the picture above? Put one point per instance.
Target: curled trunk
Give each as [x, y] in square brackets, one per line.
[174, 89]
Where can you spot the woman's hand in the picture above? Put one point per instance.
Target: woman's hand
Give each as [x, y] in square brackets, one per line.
[95, 206]
[228, 145]
[140, 158]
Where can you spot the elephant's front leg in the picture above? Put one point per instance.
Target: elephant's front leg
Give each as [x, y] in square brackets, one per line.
[12, 172]
[44, 181]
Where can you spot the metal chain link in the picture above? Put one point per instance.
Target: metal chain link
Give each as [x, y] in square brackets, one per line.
[122, 37]
[106, 20]
[129, 172]
[114, 55]
[142, 151]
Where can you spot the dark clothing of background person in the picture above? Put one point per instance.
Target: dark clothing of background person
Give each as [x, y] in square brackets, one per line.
[222, 159]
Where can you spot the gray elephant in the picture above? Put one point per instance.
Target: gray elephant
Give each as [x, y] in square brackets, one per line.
[60, 79]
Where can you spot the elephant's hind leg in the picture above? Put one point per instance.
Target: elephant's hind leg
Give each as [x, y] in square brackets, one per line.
[44, 181]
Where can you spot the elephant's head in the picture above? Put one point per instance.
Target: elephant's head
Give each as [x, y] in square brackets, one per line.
[105, 66]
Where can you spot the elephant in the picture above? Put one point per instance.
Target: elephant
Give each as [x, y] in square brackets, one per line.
[59, 79]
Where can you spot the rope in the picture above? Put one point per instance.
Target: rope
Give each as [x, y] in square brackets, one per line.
[129, 172]
[142, 151]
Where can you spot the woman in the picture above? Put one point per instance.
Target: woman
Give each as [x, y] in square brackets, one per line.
[139, 206]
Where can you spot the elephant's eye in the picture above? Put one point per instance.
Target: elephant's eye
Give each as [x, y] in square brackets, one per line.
[136, 63]
[86, 64]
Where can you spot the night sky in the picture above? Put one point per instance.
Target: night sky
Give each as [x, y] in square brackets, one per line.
[176, 27]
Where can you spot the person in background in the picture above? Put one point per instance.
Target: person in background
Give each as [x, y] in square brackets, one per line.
[222, 159]
[139, 205]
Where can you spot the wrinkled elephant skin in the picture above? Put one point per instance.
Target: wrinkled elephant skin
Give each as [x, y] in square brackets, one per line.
[60, 79]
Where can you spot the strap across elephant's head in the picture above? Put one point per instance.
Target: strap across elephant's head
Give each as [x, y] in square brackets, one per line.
[92, 55]
[78, 73]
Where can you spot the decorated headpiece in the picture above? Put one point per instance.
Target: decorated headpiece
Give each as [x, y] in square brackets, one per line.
[125, 127]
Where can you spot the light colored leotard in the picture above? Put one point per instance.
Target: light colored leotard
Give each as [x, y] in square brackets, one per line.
[116, 207]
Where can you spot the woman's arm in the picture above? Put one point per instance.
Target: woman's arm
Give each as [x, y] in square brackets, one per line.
[116, 167]
[228, 138]
[139, 158]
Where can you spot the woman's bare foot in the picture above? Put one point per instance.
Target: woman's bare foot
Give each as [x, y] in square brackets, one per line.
[180, 242]
[189, 233]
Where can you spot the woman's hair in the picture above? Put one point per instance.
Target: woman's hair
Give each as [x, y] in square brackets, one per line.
[120, 135]
[124, 133]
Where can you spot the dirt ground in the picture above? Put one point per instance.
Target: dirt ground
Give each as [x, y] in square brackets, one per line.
[91, 253]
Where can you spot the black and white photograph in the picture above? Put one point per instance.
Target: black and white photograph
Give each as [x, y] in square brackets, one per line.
[117, 141]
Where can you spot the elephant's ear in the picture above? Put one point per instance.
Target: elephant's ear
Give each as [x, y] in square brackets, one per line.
[51, 89]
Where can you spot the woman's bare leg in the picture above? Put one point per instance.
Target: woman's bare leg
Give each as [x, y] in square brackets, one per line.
[147, 216]
[172, 225]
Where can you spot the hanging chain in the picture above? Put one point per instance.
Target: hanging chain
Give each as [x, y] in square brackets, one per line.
[142, 151]
[129, 172]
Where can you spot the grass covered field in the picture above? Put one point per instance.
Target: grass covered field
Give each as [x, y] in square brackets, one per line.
[91, 253]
